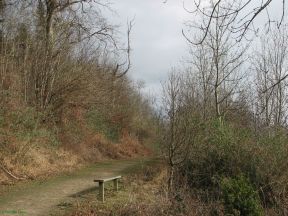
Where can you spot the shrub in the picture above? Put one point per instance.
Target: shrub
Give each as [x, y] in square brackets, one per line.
[227, 151]
[27, 127]
[240, 198]
[99, 122]
[216, 155]
[2, 115]
[24, 119]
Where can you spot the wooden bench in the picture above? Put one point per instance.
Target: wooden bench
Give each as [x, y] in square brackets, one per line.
[102, 183]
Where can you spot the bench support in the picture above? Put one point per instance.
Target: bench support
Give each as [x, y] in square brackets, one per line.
[116, 184]
[101, 191]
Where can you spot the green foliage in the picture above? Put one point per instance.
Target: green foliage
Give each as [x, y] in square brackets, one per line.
[2, 120]
[215, 155]
[227, 151]
[51, 135]
[26, 126]
[240, 198]
[100, 123]
[24, 119]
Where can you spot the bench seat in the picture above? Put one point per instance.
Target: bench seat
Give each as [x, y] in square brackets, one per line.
[107, 179]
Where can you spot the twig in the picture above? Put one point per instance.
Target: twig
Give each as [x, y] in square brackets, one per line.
[10, 174]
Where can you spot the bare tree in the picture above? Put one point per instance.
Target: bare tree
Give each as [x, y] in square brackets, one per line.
[177, 136]
[200, 76]
[218, 62]
[271, 66]
[241, 14]
[65, 23]
[121, 69]
[49, 45]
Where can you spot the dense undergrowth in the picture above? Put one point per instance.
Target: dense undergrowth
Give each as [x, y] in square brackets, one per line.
[32, 148]
[239, 168]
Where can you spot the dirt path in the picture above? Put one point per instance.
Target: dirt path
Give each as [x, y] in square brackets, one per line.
[39, 198]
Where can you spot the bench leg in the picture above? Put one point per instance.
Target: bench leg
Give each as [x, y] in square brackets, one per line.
[101, 191]
[116, 184]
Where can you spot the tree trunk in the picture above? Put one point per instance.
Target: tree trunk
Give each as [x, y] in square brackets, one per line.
[171, 180]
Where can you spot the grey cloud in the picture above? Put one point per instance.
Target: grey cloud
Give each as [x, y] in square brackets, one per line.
[156, 41]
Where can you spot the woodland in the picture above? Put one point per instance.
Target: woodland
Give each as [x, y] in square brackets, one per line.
[220, 131]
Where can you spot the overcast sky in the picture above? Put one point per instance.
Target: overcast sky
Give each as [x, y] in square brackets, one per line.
[157, 42]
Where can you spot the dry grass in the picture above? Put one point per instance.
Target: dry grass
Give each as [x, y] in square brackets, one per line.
[94, 146]
[40, 162]
[32, 149]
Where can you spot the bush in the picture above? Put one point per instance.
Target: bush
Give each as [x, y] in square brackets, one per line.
[227, 151]
[26, 119]
[99, 122]
[240, 198]
[217, 154]
[2, 115]
[26, 126]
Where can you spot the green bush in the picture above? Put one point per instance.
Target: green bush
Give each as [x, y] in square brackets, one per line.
[24, 119]
[227, 151]
[216, 154]
[240, 198]
[2, 120]
[27, 126]
[100, 123]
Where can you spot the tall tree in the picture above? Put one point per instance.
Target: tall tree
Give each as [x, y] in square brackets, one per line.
[2, 9]
[271, 65]
[224, 57]
[241, 13]
[178, 135]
